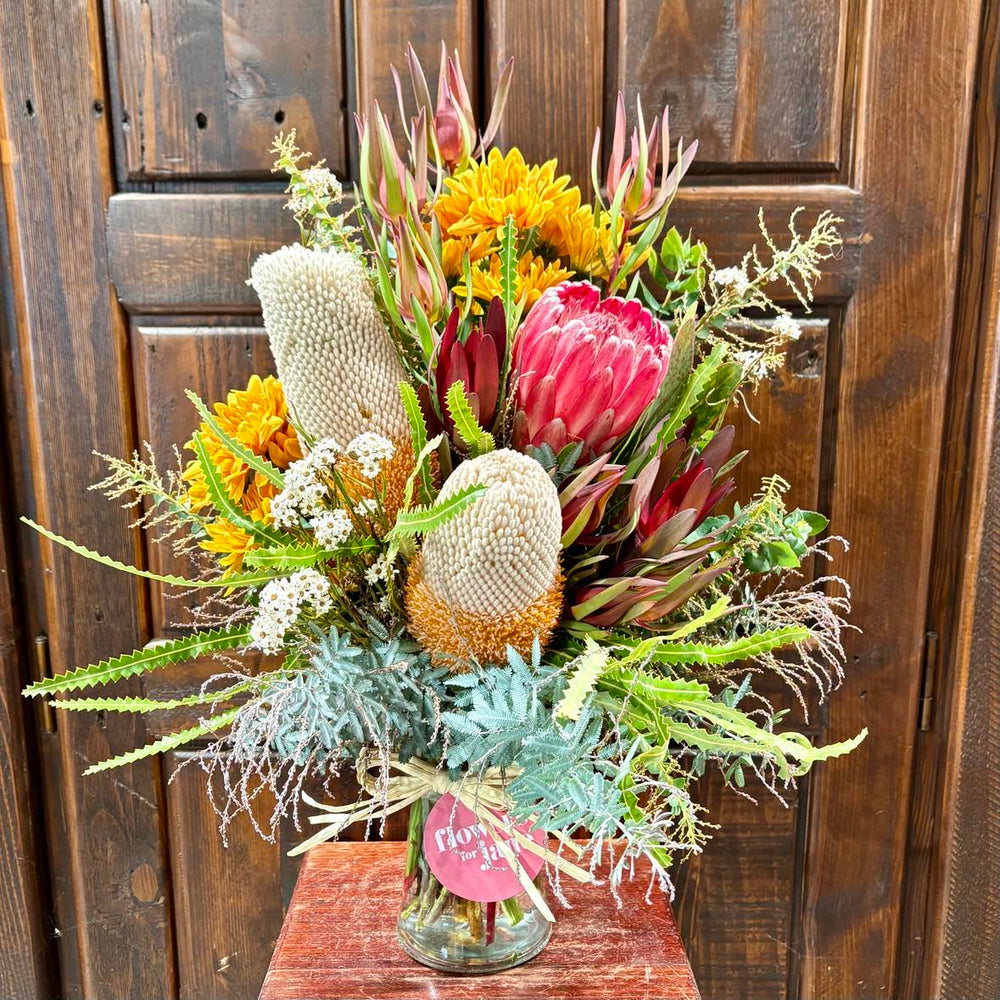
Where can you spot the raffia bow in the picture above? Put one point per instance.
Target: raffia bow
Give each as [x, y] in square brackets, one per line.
[392, 785]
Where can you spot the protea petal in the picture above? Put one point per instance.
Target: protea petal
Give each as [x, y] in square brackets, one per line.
[607, 360]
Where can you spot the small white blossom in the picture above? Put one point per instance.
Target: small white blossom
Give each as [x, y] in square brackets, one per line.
[366, 505]
[305, 490]
[785, 328]
[281, 603]
[332, 528]
[754, 363]
[371, 450]
[379, 570]
[732, 279]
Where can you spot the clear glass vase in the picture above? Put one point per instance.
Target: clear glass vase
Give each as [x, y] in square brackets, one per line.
[444, 931]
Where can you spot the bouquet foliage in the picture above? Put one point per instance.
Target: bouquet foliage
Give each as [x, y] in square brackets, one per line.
[483, 517]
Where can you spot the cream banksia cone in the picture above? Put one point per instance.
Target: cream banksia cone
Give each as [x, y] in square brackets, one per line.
[335, 359]
[489, 577]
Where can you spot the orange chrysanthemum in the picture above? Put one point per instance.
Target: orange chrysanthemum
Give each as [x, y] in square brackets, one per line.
[257, 417]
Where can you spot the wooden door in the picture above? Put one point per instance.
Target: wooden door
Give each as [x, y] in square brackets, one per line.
[161, 112]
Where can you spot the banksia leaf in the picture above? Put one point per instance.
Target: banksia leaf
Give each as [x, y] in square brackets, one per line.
[292, 557]
[236, 580]
[165, 743]
[478, 441]
[729, 652]
[423, 520]
[127, 703]
[142, 661]
[589, 667]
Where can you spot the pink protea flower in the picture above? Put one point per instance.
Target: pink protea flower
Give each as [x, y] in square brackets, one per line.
[587, 368]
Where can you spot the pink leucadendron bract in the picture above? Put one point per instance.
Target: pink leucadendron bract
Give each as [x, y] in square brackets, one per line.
[586, 368]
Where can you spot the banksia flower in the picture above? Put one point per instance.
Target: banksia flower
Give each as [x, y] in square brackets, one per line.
[335, 360]
[586, 368]
[489, 577]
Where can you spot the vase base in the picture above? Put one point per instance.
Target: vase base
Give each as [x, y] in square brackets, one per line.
[474, 960]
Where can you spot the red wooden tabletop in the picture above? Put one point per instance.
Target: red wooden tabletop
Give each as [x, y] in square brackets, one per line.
[339, 942]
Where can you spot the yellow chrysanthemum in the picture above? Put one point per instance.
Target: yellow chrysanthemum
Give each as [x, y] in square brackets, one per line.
[229, 542]
[476, 204]
[257, 417]
[453, 251]
[575, 237]
[534, 275]
[483, 196]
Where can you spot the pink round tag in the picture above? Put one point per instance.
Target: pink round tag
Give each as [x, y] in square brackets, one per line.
[464, 858]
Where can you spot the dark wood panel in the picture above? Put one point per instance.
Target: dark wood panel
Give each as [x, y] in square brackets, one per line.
[227, 896]
[950, 947]
[340, 942]
[211, 360]
[781, 424]
[558, 50]
[173, 253]
[382, 30]
[735, 902]
[884, 447]
[26, 955]
[57, 178]
[754, 83]
[202, 88]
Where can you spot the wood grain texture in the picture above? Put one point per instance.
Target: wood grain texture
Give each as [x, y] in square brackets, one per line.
[227, 896]
[203, 88]
[74, 369]
[888, 413]
[210, 360]
[26, 954]
[188, 254]
[382, 29]
[735, 903]
[558, 50]
[755, 83]
[339, 941]
[950, 948]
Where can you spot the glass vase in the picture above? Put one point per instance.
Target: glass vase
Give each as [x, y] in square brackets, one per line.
[444, 931]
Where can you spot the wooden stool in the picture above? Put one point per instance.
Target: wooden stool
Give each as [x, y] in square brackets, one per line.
[339, 942]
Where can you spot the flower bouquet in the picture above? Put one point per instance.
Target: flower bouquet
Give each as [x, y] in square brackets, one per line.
[481, 526]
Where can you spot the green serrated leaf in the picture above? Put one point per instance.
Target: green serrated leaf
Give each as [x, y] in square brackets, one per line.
[244, 454]
[222, 502]
[295, 556]
[236, 580]
[720, 608]
[508, 273]
[423, 520]
[687, 653]
[142, 661]
[418, 434]
[589, 667]
[478, 441]
[143, 705]
[165, 743]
